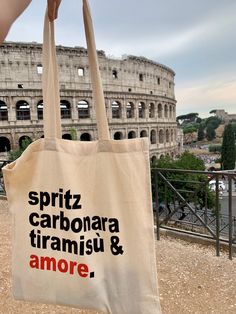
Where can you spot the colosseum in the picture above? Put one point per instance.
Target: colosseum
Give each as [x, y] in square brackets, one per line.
[139, 97]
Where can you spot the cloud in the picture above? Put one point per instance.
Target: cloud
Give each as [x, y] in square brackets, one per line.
[203, 96]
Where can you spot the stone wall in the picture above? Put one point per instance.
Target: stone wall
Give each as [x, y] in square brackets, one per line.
[139, 97]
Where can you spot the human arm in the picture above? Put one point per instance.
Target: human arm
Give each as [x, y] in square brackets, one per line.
[11, 9]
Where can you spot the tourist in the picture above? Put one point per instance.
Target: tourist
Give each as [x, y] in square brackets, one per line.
[11, 9]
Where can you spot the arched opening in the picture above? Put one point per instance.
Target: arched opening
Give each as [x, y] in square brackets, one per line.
[39, 69]
[130, 110]
[83, 109]
[153, 159]
[159, 108]
[40, 110]
[131, 134]
[162, 156]
[65, 109]
[153, 137]
[85, 137]
[143, 133]
[167, 136]
[5, 145]
[151, 110]
[172, 135]
[166, 111]
[24, 141]
[118, 136]
[22, 110]
[161, 136]
[3, 111]
[66, 136]
[170, 112]
[114, 74]
[141, 110]
[116, 110]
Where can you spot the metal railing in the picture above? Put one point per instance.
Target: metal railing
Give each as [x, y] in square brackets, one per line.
[200, 203]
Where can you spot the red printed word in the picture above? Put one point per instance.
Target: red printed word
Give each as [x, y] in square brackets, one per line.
[61, 265]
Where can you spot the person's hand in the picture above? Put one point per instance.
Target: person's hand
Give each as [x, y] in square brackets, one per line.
[53, 6]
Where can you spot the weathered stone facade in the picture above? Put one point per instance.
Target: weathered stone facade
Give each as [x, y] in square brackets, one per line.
[139, 97]
[225, 116]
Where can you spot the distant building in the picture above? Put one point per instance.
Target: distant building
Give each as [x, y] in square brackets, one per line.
[222, 114]
[139, 97]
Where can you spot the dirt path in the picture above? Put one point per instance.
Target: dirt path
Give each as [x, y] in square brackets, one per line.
[191, 279]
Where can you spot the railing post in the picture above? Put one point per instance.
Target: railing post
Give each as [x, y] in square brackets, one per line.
[157, 203]
[217, 218]
[230, 217]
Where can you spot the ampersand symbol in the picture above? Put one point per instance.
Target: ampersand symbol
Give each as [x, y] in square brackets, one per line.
[115, 248]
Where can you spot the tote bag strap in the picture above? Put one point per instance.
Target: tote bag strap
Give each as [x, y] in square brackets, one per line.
[52, 122]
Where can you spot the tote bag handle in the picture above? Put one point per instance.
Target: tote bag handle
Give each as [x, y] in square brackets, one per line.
[51, 98]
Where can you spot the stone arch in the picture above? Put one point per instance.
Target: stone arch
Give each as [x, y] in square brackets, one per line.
[22, 110]
[160, 110]
[162, 156]
[66, 136]
[116, 110]
[132, 134]
[161, 136]
[172, 135]
[83, 109]
[130, 110]
[5, 145]
[65, 109]
[143, 133]
[167, 136]
[3, 111]
[154, 158]
[24, 138]
[151, 110]
[141, 110]
[153, 137]
[85, 137]
[118, 136]
[170, 112]
[40, 110]
[166, 111]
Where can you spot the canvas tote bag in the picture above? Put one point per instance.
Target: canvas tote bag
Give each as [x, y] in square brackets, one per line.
[83, 224]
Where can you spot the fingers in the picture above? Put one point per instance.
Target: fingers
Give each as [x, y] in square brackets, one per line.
[53, 6]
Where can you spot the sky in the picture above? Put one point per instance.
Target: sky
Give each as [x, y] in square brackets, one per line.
[196, 38]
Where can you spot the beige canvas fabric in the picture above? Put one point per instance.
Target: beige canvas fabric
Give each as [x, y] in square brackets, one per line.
[83, 224]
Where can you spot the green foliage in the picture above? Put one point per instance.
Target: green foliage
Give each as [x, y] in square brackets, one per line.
[189, 129]
[228, 152]
[234, 129]
[212, 111]
[210, 132]
[214, 148]
[14, 154]
[187, 118]
[200, 133]
[73, 134]
[192, 187]
[213, 121]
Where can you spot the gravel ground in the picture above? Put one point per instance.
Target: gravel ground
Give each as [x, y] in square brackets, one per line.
[191, 278]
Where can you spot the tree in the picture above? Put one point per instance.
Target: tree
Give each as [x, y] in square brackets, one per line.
[14, 154]
[213, 121]
[228, 150]
[192, 187]
[187, 118]
[200, 133]
[210, 132]
[73, 134]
